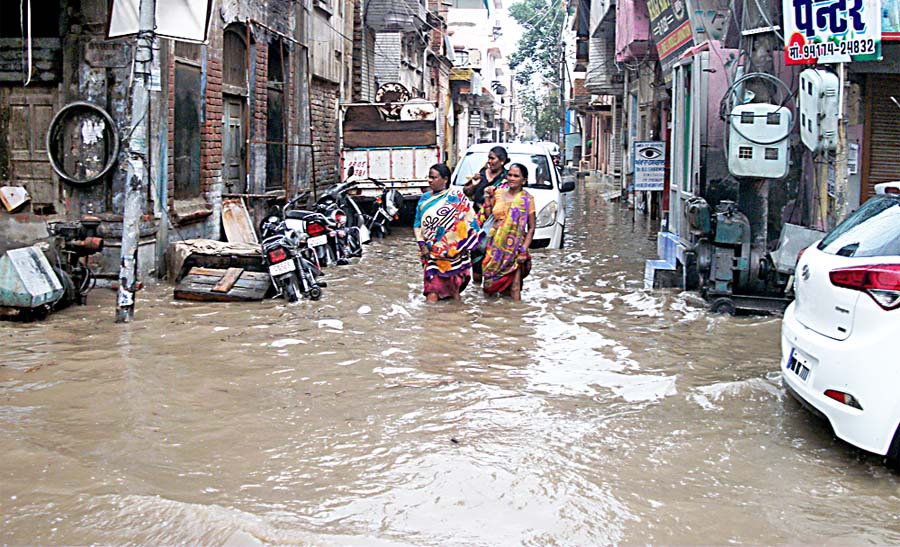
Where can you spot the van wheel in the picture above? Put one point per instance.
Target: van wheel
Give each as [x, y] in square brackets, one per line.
[893, 455]
[723, 305]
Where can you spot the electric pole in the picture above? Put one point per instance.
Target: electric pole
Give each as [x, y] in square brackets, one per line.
[561, 137]
[136, 169]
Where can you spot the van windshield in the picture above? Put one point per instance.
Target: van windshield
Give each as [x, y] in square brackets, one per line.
[871, 230]
[540, 173]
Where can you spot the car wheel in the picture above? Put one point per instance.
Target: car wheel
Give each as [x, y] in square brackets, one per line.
[562, 238]
[893, 455]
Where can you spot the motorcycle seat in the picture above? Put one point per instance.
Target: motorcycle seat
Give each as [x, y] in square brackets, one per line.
[299, 215]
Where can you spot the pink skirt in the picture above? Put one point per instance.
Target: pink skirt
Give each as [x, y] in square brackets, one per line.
[446, 287]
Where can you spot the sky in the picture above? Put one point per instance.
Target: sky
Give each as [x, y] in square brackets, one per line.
[511, 31]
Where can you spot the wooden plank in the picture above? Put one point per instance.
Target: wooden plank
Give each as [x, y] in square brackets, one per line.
[237, 223]
[214, 274]
[201, 283]
[228, 280]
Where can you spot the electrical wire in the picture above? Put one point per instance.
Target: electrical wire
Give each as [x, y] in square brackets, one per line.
[725, 107]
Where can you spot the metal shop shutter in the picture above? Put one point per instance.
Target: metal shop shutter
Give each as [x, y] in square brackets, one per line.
[882, 142]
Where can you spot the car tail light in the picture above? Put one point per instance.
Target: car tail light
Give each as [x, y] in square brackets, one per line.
[892, 190]
[881, 282]
[315, 229]
[277, 255]
[844, 398]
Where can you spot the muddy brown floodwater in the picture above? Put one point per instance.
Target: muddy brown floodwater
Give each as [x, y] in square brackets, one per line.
[592, 413]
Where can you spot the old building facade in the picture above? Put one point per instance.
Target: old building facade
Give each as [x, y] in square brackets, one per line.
[250, 113]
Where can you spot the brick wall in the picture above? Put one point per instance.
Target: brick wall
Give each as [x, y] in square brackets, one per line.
[258, 127]
[211, 127]
[170, 113]
[323, 98]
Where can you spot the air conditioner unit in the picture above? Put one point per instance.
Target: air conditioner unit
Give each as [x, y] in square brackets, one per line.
[758, 140]
[818, 98]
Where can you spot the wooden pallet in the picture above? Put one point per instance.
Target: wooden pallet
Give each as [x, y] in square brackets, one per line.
[231, 285]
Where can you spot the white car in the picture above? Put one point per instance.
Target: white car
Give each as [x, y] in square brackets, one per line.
[544, 183]
[837, 336]
[892, 187]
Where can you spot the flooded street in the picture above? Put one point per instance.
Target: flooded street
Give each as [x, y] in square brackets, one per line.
[593, 412]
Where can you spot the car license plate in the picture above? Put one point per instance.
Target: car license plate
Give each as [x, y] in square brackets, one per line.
[799, 364]
[282, 267]
[317, 241]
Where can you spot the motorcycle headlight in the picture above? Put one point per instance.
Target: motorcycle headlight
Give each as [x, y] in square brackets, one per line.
[547, 216]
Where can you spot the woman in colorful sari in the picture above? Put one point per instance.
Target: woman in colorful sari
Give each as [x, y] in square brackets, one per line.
[506, 261]
[446, 230]
[492, 175]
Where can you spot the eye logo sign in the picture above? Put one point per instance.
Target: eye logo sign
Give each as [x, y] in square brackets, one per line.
[649, 162]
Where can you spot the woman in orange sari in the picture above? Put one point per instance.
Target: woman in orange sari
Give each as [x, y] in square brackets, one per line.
[507, 261]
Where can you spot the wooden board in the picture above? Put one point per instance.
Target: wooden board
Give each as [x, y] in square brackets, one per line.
[201, 283]
[237, 223]
[228, 280]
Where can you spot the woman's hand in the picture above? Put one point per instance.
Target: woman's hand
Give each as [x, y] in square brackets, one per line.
[522, 258]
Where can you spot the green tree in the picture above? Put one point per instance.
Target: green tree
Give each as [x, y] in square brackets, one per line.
[537, 60]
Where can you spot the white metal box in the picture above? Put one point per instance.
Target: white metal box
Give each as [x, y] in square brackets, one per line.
[818, 99]
[758, 140]
[27, 280]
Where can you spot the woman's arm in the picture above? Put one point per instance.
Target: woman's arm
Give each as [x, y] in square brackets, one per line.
[523, 254]
[417, 225]
[487, 207]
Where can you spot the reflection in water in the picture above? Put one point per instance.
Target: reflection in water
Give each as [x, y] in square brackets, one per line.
[593, 412]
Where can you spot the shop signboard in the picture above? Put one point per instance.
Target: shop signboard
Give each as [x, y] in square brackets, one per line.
[890, 19]
[649, 166]
[671, 29]
[849, 30]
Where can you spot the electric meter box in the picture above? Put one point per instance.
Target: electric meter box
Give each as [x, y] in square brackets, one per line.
[758, 140]
[818, 99]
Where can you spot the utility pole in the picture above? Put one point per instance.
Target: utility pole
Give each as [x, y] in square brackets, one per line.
[136, 170]
[562, 101]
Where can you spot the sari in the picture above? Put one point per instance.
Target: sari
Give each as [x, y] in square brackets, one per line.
[506, 242]
[447, 224]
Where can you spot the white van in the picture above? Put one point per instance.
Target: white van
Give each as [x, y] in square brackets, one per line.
[544, 183]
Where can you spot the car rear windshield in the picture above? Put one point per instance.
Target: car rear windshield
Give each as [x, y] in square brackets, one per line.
[872, 230]
[539, 169]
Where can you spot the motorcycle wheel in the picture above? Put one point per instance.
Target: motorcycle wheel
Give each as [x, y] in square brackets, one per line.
[356, 249]
[315, 293]
[292, 289]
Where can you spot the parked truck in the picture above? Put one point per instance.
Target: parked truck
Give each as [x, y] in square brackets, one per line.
[393, 144]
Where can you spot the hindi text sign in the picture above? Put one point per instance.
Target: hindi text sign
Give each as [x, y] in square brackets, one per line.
[831, 28]
[671, 29]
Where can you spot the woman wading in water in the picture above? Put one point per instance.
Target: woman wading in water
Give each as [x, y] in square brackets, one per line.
[492, 175]
[507, 261]
[446, 230]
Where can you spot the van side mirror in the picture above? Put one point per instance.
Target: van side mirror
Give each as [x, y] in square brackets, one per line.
[567, 186]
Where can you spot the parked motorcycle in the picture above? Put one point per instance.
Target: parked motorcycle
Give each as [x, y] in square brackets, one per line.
[73, 243]
[283, 249]
[387, 209]
[345, 221]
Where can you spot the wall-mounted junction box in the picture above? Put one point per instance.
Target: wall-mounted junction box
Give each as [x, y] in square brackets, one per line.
[818, 98]
[758, 140]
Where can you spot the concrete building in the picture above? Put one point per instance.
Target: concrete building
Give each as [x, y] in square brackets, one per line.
[481, 80]
[663, 70]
